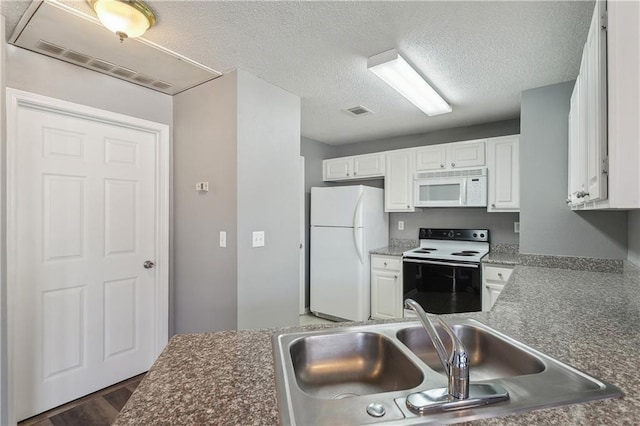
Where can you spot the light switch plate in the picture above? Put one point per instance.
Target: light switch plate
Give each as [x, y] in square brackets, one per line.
[223, 239]
[258, 239]
[401, 225]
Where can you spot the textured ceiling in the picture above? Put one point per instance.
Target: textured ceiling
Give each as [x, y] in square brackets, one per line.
[478, 54]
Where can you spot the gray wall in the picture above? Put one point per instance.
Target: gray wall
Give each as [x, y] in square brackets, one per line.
[205, 133]
[487, 130]
[547, 225]
[40, 74]
[268, 200]
[500, 224]
[313, 152]
[633, 253]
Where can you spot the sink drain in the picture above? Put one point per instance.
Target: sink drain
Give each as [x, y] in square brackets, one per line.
[345, 395]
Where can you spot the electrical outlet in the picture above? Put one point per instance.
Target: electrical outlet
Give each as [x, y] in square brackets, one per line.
[401, 225]
[223, 239]
[258, 239]
[202, 186]
[516, 227]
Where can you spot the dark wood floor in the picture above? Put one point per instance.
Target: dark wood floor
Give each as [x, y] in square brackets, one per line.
[98, 409]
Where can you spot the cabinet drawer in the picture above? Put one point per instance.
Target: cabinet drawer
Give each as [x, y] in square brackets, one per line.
[497, 274]
[387, 263]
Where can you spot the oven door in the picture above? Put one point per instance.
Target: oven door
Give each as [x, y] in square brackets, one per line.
[440, 192]
[443, 287]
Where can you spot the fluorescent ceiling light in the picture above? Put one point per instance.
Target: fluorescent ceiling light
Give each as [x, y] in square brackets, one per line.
[397, 73]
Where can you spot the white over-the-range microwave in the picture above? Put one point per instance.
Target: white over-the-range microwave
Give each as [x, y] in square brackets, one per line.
[454, 188]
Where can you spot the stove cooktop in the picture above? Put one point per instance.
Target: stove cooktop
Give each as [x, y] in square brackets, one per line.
[452, 245]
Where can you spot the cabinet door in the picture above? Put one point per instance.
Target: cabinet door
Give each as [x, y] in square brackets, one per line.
[431, 158]
[368, 165]
[595, 55]
[386, 295]
[337, 168]
[490, 295]
[503, 162]
[466, 154]
[576, 149]
[398, 182]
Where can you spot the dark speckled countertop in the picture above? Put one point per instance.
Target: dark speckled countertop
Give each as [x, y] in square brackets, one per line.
[590, 320]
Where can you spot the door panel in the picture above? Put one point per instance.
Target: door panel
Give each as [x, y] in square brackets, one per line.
[337, 275]
[86, 222]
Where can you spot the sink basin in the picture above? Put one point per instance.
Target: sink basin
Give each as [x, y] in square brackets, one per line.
[489, 356]
[364, 375]
[351, 364]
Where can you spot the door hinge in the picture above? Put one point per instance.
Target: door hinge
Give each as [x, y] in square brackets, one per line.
[604, 21]
[605, 165]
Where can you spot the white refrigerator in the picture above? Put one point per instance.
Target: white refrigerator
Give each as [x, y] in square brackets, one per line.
[346, 223]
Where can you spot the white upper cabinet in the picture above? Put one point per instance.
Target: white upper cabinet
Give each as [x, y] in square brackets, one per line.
[503, 164]
[355, 167]
[432, 157]
[588, 161]
[451, 156]
[398, 181]
[466, 154]
[368, 165]
[337, 168]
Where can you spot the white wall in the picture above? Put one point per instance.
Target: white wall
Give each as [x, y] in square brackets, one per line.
[205, 133]
[268, 200]
[633, 252]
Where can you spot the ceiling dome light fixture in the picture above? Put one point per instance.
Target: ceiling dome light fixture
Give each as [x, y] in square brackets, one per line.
[125, 18]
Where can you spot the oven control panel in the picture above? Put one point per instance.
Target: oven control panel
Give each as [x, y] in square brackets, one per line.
[481, 235]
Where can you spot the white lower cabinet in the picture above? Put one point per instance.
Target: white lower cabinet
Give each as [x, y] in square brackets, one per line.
[386, 287]
[493, 280]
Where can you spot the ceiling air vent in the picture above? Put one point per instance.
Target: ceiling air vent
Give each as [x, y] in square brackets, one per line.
[49, 47]
[102, 65]
[124, 72]
[359, 111]
[75, 56]
[161, 85]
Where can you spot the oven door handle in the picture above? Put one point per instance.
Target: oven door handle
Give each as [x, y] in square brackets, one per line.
[435, 262]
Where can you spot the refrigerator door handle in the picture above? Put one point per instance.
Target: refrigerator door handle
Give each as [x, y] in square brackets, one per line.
[356, 227]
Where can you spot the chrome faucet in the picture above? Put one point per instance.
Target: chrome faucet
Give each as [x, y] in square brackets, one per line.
[456, 364]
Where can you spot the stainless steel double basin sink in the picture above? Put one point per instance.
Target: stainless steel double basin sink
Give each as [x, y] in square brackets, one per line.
[333, 376]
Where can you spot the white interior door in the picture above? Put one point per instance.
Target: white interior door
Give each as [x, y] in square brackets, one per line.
[83, 303]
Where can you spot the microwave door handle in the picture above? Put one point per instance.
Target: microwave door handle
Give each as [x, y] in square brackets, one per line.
[463, 195]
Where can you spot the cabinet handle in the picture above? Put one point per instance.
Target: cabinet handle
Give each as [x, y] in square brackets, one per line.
[385, 263]
[408, 206]
[568, 200]
[395, 276]
[500, 274]
[355, 173]
[453, 164]
[347, 174]
[493, 205]
[442, 166]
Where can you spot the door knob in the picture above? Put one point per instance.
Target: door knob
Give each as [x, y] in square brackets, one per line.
[148, 264]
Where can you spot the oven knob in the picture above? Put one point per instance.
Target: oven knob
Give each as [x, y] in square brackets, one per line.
[481, 235]
[475, 235]
[450, 234]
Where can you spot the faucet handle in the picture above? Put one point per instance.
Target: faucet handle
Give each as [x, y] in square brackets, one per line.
[458, 365]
